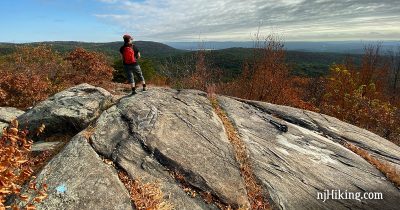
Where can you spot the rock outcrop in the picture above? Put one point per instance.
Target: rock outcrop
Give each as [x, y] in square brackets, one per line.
[7, 114]
[176, 131]
[79, 179]
[294, 166]
[176, 139]
[68, 111]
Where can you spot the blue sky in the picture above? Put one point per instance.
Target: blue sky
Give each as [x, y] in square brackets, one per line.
[194, 20]
[51, 20]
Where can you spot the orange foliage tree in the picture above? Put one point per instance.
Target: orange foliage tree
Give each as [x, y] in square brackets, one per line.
[266, 77]
[20, 90]
[89, 67]
[40, 60]
[31, 74]
[374, 69]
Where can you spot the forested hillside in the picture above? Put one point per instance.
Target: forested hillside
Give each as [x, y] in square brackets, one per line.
[230, 60]
[150, 49]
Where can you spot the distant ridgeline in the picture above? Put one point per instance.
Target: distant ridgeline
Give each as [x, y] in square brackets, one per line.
[229, 60]
[347, 47]
[151, 49]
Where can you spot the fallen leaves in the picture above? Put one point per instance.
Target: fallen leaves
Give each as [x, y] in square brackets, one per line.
[386, 168]
[145, 196]
[15, 168]
[254, 191]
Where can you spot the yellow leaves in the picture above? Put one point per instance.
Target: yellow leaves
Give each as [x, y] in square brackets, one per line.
[190, 192]
[15, 124]
[108, 162]
[40, 129]
[5, 191]
[30, 207]
[41, 197]
[24, 197]
[32, 185]
[21, 161]
[358, 99]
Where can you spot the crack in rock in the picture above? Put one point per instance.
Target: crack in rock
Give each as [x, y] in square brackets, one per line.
[204, 157]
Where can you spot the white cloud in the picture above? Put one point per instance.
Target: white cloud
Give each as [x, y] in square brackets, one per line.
[173, 20]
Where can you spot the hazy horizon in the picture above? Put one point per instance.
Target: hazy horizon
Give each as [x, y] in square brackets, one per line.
[348, 47]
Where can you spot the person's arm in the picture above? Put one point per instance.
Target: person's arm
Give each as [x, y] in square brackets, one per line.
[137, 52]
[120, 52]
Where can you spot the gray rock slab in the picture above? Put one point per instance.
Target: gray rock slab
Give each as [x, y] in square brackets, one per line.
[377, 146]
[296, 165]
[174, 130]
[45, 146]
[7, 114]
[68, 111]
[77, 178]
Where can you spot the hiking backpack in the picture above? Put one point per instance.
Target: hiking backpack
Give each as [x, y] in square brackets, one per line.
[129, 55]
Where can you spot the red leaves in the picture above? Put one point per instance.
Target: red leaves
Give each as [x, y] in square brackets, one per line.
[21, 89]
[88, 67]
[31, 74]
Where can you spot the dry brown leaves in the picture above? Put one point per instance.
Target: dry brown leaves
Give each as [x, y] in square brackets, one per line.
[254, 191]
[16, 168]
[386, 168]
[145, 196]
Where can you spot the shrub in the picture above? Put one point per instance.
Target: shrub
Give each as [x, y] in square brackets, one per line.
[40, 60]
[266, 77]
[31, 74]
[203, 74]
[88, 67]
[21, 90]
[349, 99]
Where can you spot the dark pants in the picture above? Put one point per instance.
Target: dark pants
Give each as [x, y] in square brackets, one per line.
[133, 71]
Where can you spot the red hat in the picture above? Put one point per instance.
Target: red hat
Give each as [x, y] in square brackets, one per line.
[127, 37]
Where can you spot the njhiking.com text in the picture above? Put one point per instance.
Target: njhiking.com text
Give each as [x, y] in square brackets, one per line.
[346, 195]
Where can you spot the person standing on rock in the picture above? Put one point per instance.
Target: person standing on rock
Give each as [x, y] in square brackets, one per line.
[130, 55]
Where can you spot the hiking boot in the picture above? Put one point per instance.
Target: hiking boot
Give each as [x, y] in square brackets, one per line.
[144, 87]
[133, 91]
